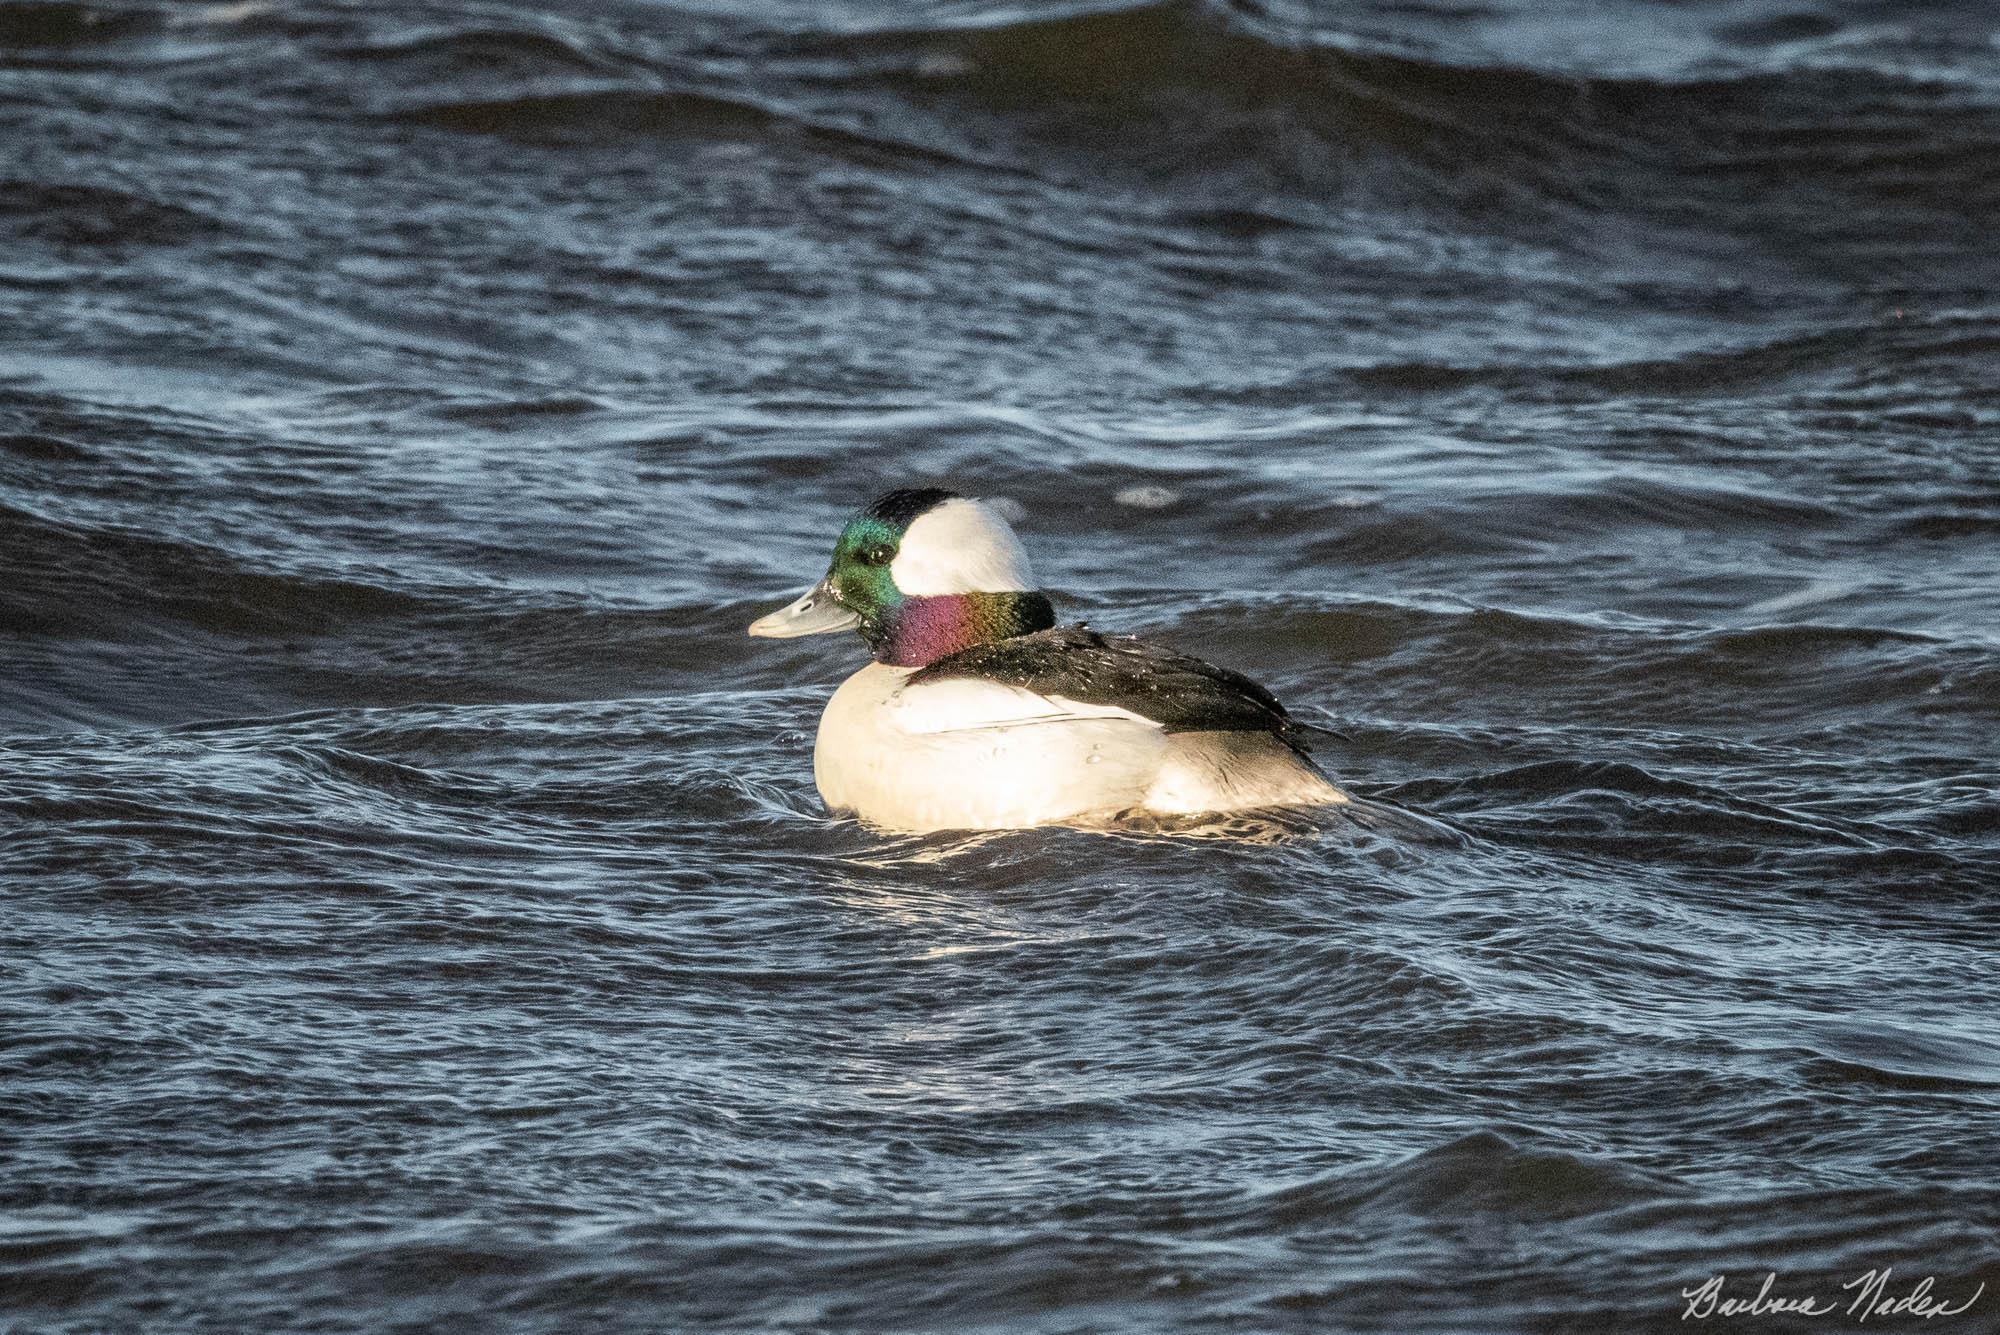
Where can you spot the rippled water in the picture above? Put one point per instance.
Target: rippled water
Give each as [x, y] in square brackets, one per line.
[417, 910]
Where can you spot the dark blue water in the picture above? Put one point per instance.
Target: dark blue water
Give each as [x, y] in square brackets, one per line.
[415, 909]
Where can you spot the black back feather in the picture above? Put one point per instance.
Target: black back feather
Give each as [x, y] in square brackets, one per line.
[1178, 691]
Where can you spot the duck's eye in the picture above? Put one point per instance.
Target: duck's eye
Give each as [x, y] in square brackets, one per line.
[877, 555]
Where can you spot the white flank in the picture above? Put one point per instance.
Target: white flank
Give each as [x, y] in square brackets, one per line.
[969, 754]
[958, 704]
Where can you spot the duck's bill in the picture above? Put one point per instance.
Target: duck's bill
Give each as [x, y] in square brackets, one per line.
[814, 614]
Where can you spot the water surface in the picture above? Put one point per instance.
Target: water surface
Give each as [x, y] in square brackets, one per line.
[417, 910]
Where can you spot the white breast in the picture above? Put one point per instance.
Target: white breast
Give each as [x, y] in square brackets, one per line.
[975, 755]
[964, 753]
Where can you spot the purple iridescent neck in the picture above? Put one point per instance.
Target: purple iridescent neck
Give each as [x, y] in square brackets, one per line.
[922, 630]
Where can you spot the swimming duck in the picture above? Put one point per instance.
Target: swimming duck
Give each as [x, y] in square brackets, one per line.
[979, 712]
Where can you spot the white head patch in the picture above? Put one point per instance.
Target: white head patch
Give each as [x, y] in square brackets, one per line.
[960, 546]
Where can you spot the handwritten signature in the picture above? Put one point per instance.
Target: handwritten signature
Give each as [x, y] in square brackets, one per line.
[1870, 1290]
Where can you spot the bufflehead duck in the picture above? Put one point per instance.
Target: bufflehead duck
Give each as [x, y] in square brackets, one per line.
[979, 712]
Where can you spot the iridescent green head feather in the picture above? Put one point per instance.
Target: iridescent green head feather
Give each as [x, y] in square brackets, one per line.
[859, 575]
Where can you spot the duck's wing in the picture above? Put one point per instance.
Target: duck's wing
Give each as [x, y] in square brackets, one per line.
[1077, 671]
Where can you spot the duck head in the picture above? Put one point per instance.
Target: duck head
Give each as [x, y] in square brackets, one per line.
[921, 573]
